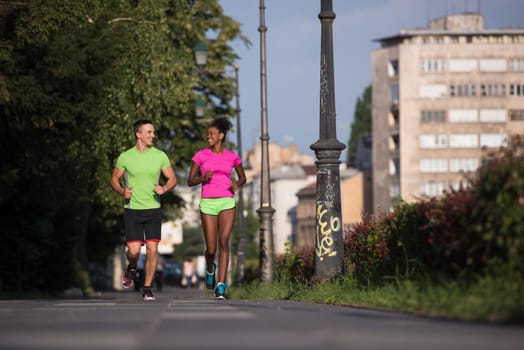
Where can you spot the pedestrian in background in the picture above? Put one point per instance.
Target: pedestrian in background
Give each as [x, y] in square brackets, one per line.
[212, 167]
[189, 272]
[141, 167]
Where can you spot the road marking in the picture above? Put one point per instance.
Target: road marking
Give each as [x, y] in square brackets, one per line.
[204, 309]
[88, 304]
[206, 315]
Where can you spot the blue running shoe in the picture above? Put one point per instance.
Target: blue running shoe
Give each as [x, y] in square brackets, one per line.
[220, 291]
[210, 278]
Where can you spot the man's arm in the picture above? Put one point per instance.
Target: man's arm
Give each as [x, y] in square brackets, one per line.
[115, 183]
[169, 173]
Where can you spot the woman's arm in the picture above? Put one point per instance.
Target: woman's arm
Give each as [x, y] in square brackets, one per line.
[235, 185]
[193, 179]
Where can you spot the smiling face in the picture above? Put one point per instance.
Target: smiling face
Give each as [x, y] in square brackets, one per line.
[145, 135]
[214, 137]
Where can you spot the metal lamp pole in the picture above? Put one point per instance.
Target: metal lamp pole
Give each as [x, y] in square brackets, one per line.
[241, 221]
[265, 212]
[329, 249]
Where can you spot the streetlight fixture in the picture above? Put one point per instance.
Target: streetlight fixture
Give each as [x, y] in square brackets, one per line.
[201, 52]
[265, 212]
[200, 107]
[329, 248]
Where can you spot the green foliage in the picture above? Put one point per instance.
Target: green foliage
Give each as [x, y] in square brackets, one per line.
[74, 76]
[459, 235]
[457, 255]
[499, 193]
[251, 225]
[192, 244]
[361, 123]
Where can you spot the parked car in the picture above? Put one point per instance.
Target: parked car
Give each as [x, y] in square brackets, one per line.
[173, 273]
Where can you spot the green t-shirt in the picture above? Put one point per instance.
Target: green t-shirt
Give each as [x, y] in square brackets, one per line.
[142, 173]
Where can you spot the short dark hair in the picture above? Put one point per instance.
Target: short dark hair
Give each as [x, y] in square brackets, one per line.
[138, 124]
[223, 124]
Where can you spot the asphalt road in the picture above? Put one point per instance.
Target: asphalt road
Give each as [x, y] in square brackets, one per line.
[192, 319]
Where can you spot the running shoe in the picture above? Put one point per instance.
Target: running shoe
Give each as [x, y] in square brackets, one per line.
[128, 278]
[148, 294]
[210, 278]
[220, 291]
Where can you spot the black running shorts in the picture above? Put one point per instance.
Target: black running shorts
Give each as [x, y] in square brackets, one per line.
[143, 224]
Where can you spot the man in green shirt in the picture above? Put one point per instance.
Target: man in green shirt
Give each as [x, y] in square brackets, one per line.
[141, 166]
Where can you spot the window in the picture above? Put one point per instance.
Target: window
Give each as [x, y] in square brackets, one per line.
[463, 141]
[432, 90]
[493, 65]
[432, 65]
[393, 68]
[433, 116]
[394, 92]
[492, 89]
[516, 65]
[516, 89]
[493, 140]
[433, 165]
[462, 65]
[493, 115]
[432, 188]
[463, 164]
[462, 90]
[516, 115]
[463, 115]
[433, 141]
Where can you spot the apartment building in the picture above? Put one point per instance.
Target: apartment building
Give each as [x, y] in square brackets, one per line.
[442, 96]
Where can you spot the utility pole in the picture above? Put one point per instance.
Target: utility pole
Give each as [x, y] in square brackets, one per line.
[329, 245]
[241, 253]
[265, 212]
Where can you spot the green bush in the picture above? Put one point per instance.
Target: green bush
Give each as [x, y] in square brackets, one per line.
[457, 236]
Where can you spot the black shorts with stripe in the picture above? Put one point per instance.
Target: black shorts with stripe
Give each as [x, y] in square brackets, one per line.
[143, 224]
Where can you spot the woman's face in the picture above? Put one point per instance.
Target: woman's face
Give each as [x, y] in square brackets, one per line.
[214, 137]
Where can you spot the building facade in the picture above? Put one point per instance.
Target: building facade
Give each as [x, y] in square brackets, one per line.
[355, 195]
[441, 97]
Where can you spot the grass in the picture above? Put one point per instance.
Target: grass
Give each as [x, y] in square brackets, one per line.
[491, 299]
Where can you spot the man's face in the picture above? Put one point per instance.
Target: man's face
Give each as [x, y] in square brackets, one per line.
[146, 134]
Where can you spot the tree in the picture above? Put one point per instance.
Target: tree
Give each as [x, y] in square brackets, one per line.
[361, 123]
[73, 78]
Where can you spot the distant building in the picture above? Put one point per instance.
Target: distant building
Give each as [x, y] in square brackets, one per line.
[440, 97]
[355, 201]
[290, 170]
[286, 180]
[305, 217]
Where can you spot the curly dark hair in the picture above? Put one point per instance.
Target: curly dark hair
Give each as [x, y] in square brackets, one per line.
[223, 124]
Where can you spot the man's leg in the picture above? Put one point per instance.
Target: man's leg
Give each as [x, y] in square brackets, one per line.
[151, 262]
[133, 253]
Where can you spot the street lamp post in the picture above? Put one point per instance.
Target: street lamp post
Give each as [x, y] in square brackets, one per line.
[241, 222]
[329, 249]
[265, 212]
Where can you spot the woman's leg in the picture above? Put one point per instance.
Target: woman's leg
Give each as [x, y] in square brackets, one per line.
[209, 226]
[226, 218]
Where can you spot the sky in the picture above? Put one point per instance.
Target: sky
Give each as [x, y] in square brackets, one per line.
[293, 57]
